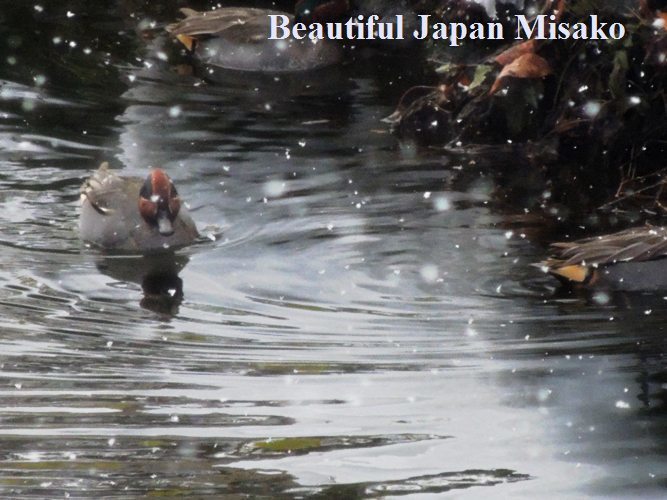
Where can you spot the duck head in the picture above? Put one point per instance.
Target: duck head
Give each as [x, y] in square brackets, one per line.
[319, 11]
[159, 202]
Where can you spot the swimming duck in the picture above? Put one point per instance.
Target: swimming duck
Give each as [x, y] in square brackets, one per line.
[633, 259]
[131, 214]
[237, 37]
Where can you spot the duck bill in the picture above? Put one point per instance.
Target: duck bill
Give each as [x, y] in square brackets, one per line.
[164, 225]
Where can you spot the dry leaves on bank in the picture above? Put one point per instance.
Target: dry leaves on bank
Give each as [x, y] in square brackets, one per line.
[528, 65]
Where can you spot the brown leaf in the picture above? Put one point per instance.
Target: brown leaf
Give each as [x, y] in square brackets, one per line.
[526, 66]
[509, 55]
[559, 9]
[662, 15]
[565, 125]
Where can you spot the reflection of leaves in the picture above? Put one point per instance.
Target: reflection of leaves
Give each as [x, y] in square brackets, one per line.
[302, 445]
[431, 484]
[528, 65]
[290, 444]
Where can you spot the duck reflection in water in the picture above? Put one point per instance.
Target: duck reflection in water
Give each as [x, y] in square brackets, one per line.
[157, 274]
[141, 222]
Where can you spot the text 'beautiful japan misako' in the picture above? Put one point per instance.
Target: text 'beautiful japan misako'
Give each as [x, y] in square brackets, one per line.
[542, 27]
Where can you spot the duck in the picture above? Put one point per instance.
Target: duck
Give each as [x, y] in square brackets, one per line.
[628, 260]
[134, 215]
[236, 38]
